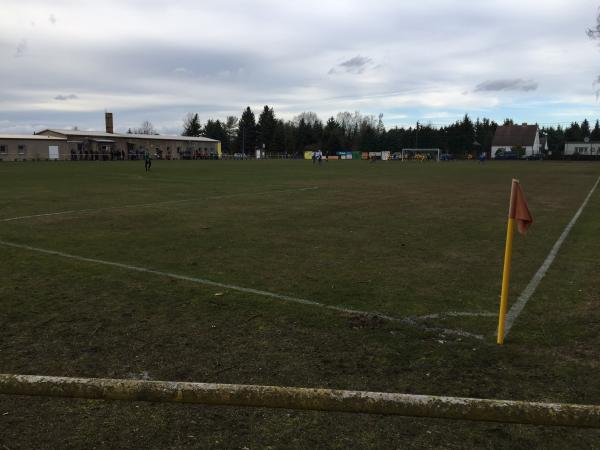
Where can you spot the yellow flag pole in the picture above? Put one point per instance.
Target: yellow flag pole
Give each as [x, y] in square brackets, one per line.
[507, 257]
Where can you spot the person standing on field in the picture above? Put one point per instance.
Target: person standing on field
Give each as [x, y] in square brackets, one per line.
[147, 161]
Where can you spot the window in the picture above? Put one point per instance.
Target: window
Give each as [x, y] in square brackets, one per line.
[22, 149]
[3, 149]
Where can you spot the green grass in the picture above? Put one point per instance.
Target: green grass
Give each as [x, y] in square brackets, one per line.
[402, 239]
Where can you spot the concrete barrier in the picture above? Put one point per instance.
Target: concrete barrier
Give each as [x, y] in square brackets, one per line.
[305, 399]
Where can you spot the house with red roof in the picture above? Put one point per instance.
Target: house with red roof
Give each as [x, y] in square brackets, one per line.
[523, 139]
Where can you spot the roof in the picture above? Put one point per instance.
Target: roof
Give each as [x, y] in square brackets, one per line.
[103, 134]
[513, 135]
[32, 136]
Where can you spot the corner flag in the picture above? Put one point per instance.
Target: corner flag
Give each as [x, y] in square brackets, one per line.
[519, 211]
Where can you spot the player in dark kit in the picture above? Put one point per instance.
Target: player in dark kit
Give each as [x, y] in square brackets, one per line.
[147, 161]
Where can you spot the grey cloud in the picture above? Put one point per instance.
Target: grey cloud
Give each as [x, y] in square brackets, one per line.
[356, 65]
[21, 48]
[52, 19]
[516, 84]
[357, 61]
[66, 97]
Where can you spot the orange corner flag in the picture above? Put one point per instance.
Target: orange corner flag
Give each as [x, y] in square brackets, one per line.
[520, 211]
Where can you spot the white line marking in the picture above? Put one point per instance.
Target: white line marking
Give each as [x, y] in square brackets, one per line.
[535, 281]
[232, 287]
[456, 314]
[149, 205]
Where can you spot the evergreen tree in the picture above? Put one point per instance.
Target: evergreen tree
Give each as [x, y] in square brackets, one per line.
[467, 132]
[333, 136]
[484, 133]
[266, 128]
[191, 125]
[246, 136]
[290, 144]
[215, 129]
[595, 134]
[556, 139]
[574, 133]
[367, 138]
[278, 143]
[585, 128]
[303, 135]
[316, 136]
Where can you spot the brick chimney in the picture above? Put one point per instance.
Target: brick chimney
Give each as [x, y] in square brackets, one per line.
[109, 122]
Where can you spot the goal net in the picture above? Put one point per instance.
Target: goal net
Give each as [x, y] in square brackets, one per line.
[421, 154]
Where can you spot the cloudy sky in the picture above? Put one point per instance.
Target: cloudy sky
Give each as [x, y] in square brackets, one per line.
[64, 62]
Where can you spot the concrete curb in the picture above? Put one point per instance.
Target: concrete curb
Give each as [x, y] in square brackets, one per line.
[507, 411]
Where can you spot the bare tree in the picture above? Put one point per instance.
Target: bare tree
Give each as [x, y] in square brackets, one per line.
[231, 128]
[352, 122]
[146, 128]
[310, 118]
[594, 33]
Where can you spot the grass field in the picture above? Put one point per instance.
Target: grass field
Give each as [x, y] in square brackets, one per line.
[422, 242]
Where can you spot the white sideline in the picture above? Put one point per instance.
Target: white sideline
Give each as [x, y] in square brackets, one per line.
[516, 309]
[149, 205]
[232, 287]
[456, 314]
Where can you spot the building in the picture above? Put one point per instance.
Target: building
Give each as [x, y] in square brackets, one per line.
[587, 150]
[22, 147]
[64, 144]
[522, 139]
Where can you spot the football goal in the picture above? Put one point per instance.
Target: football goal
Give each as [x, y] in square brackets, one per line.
[421, 154]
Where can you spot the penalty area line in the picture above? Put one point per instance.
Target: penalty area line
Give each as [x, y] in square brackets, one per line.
[206, 282]
[517, 308]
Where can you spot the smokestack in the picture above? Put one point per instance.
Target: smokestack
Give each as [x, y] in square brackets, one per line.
[109, 122]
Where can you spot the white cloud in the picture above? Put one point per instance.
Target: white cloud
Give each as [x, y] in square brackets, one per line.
[403, 58]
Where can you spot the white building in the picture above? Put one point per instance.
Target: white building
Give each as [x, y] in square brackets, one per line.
[515, 137]
[590, 148]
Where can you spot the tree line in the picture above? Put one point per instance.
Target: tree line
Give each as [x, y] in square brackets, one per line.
[357, 132]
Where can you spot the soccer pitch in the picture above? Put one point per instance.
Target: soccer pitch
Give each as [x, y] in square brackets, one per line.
[347, 275]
